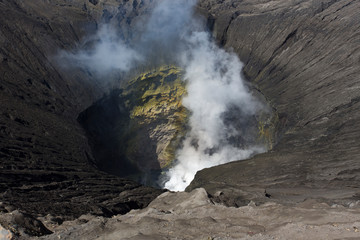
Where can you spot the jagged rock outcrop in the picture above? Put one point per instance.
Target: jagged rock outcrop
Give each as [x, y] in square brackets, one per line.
[135, 130]
[304, 57]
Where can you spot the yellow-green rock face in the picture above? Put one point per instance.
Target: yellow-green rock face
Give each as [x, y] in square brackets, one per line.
[268, 124]
[157, 117]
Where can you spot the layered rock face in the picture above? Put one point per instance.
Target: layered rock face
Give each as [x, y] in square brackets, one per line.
[46, 162]
[304, 57]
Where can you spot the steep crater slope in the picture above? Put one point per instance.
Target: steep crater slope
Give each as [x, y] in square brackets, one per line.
[45, 160]
[295, 52]
[304, 57]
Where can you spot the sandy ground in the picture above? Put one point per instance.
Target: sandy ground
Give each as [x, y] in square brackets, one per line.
[193, 216]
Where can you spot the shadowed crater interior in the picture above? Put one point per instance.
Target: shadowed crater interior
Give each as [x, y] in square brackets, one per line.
[135, 130]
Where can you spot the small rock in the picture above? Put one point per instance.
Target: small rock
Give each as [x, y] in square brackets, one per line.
[10, 208]
[29, 224]
[94, 2]
[218, 194]
[5, 234]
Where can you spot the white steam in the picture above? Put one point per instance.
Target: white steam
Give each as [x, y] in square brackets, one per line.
[108, 54]
[214, 84]
[213, 77]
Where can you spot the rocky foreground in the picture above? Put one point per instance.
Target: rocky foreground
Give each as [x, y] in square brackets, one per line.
[194, 216]
[303, 56]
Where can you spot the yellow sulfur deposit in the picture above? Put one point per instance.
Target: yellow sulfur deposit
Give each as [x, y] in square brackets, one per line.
[267, 128]
[157, 116]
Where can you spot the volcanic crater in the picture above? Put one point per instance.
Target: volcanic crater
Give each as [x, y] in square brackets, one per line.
[72, 145]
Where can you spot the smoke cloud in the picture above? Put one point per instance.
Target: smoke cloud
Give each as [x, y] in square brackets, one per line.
[215, 89]
[214, 85]
[108, 53]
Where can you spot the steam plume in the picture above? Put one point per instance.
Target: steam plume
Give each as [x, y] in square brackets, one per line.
[108, 54]
[214, 85]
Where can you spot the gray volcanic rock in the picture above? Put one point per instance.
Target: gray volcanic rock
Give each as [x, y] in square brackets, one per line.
[304, 57]
[193, 215]
[46, 165]
[25, 224]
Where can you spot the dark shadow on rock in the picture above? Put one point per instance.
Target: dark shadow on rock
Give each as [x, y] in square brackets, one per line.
[108, 126]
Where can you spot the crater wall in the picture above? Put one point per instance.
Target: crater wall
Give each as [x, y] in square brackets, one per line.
[46, 165]
[304, 57]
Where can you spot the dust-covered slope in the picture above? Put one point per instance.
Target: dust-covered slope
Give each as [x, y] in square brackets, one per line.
[45, 161]
[304, 57]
